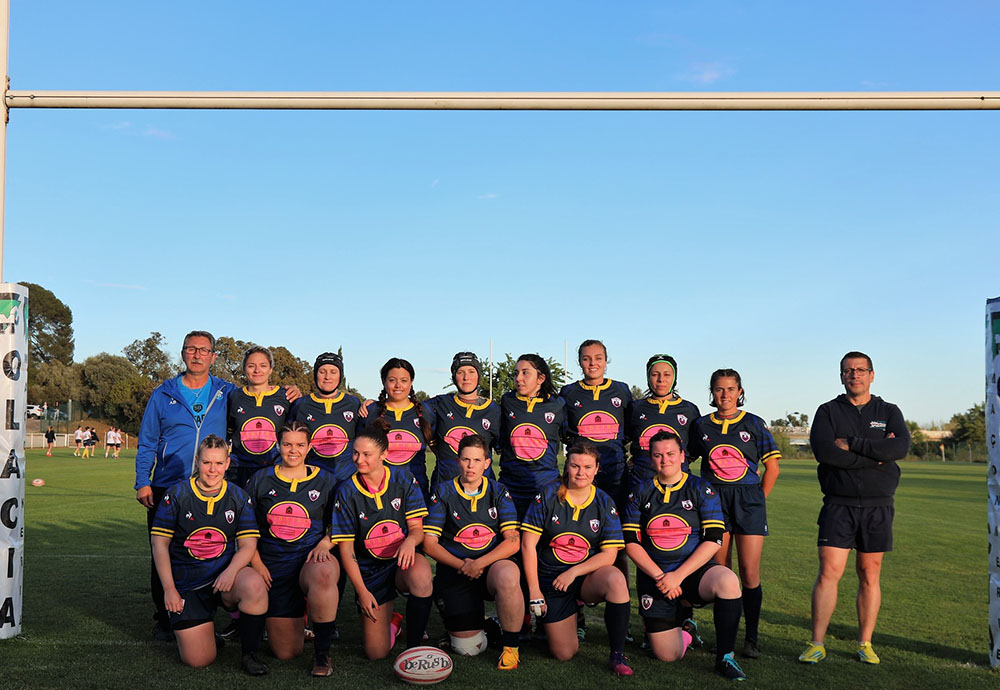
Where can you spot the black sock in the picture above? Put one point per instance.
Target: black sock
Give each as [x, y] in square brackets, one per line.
[616, 620]
[726, 613]
[508, 638]
[687, 612]
[418, 612]
[324, 633]
[751, 611]
[251, 630]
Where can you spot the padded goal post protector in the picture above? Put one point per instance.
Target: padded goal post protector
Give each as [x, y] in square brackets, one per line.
[993, 473]
[13, 401]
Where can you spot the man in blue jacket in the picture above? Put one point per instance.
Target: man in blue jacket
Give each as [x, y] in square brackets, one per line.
[180, 412]
[857, 438]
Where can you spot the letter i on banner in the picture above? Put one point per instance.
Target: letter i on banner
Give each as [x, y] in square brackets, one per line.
[13, 398]
[993, 474]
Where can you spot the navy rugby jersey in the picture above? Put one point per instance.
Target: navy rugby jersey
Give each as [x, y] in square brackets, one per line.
[648, 417]
[453, 420]
[732, 449]
[333, 424]
[407, 447]
[530, 429]
[203, 530]
[292, 515]
[253, 422]
[669, 522]
[470, 526]
[571, 534]
[598, 414]
[376, 521]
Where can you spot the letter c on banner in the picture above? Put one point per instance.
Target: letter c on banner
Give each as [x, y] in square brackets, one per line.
[7, 517]
[12, 365]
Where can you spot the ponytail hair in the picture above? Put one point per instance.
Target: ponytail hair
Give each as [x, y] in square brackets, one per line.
[377, 431]
[578, 448]
[383, 397]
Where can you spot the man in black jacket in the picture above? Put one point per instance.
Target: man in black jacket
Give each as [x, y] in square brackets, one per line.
[857, 438]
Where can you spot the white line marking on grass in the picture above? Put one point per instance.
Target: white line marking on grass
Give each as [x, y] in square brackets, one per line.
[81, 555]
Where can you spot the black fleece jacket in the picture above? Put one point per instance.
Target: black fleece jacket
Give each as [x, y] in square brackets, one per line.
[867, 474]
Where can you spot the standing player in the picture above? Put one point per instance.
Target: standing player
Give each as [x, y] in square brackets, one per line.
[457, 415]
[118, 442]
[661, 410]
[256, 412]
[409, 429]
[331, 416]
[857, 439]
[531, 422]
[109, 442]
[78, 440]
[203, 537]
[571, 537]
[293, 502]
[472, 533]
[735, 446]
[378, 524]
[673, 527]
[50, 440]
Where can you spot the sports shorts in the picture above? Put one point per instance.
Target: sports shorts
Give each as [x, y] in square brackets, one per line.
[199, 607]
[459, 599]
[653, 604]
[865, 528]
[743, 507]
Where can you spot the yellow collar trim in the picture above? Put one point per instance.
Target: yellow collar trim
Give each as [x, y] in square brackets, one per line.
[398, 413]
[469, 407]
[473, 499]
[597, 389]
[360, 485]
[667, 490]
[664, 404]
[578, 508]
[311, 472]
[210, 501]
[259, 397]
[724, 423]
[531, 402]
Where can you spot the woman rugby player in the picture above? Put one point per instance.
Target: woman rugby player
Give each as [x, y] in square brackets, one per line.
[332, 417]
[203, 537]
[457, 415]
[531, 423]
[409, 431]
[293, 502]
[471, 531]
[673, 527]
[378, 524]
[255, 413]
[735, 446]
[570, 538]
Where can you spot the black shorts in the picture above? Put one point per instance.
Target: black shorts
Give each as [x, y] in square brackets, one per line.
[743, 507]
[560, 605]
[460, 600]
[865, 528]
[654, 605]
[381, 583]
[199, 607]
[286, 599]
[617, 487]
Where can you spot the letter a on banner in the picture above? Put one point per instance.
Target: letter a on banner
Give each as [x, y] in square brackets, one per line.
[14, 396]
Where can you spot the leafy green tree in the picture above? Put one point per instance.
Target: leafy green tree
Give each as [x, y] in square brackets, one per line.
[637, 393]
[291, 370]
[504, 374]
[230, 359]
[919, 444]
[113, 389]
[969, 426]
[55, 381]
[50, 329]
[150, 358]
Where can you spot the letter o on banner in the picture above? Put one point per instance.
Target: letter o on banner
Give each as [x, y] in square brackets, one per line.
[992, 479]
[13, 401]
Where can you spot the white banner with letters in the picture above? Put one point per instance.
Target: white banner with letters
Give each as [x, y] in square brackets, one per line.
[993, 473]
[13, 399]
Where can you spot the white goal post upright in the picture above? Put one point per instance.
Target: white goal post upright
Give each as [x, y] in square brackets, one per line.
[333, 100]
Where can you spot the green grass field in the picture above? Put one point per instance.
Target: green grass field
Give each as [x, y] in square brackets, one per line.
[86, 619]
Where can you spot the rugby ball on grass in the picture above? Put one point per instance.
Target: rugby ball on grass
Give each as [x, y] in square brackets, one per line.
[423, 666]
[38, 482]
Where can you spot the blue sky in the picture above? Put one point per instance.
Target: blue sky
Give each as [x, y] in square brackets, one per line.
[768, 242]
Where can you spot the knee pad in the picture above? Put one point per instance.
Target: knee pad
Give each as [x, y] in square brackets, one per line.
[468, 646]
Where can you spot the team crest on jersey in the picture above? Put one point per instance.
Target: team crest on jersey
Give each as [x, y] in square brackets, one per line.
[493, 513]
[314, 495]
[616, 401]
[646, 601]
[395, 503]
[682, 419]
[687, 505]
[550, 417]
[279, 410]
[745, 436]
[595, 525]
[486, 424]
[230, 516]
[416, 422]
[348, 416]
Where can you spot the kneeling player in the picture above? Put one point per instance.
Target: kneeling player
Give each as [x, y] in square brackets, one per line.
[203, 537]
[293, 502]
[468, 515]
[378, 524]
[673, 528]
[571, 537]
